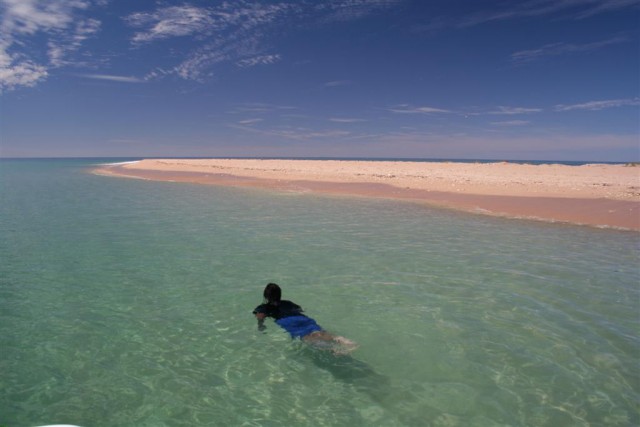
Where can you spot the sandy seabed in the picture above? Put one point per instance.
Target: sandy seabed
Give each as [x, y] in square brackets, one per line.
[594, 194]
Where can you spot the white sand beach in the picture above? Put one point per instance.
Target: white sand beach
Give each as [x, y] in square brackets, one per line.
[594, 194]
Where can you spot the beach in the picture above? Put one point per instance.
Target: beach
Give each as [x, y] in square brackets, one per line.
[601, 195]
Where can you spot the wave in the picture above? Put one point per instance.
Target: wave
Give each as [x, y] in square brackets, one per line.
[118, 163]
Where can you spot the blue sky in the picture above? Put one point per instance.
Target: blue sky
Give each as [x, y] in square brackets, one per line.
[527, 80]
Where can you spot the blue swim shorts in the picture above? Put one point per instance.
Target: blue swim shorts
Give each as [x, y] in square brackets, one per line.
[298, 326]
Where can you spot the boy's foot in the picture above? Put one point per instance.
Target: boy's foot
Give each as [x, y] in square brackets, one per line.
[346, 346]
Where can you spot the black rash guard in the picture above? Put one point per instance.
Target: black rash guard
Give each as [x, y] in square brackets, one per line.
[283, 309]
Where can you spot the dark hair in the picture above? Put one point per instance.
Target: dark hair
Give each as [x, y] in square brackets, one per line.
[272, 293]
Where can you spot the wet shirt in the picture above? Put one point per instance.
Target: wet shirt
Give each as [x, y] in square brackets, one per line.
[283, 309]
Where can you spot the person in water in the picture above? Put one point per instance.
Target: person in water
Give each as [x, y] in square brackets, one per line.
[288, 315]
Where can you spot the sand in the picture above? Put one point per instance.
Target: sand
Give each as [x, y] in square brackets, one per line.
[595, 194]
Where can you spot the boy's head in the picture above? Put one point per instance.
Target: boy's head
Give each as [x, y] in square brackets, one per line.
[272, 293]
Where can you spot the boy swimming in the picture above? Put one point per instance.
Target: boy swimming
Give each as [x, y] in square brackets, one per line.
[288, 315]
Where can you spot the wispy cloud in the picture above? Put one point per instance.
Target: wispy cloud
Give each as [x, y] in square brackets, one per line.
[174, 21]
[258, 60]
[230, 32]
[260, 107]
[602, 6]
[599, 105]
[571, 9]
[509, 123]
[120, 79]
[557, 9]
[406, 109]
[198, 66]
[237, 32]
[67, 43]
[32, 16]
[514, 110]
[348, 10]
[59, 22]
[497, 145]
[250, 121]
[346, 120]
[15, 72]
[557, 49]
[296, 133]
[182, 21]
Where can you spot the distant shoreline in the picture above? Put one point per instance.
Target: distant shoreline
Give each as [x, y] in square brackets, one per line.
[118, 159]
[601, 195]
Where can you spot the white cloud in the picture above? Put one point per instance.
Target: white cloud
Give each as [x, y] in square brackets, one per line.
[171, 22]
[121, 79]
[237, 31]
[557, 49]
[260, 107]
[478, 145]
[302, 133]
[158, 73]
[223, 21]
[229, 32]
[406, 109]
[345, 120]
[15, 72]
[62, 46]
[514, 110]
[600, 6]
[250, 121]
[553, 9]
[198, 65]
[511, 123]
[258, 60]
[296, 133]
[31, 16]
[348, 10]
[599, 105]
[26, 21]
[576, 9]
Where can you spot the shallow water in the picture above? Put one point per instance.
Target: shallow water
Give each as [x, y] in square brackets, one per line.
[128, 302]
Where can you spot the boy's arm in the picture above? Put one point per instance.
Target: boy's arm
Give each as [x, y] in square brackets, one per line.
[260, 317]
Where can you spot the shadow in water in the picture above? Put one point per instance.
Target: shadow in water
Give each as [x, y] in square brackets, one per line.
[350, 370]
[404, 403]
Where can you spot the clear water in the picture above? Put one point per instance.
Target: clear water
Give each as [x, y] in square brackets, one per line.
[128, 303]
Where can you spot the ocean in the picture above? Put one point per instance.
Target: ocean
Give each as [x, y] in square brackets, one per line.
[127, 302]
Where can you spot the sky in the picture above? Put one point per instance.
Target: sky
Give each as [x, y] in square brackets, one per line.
[437, 79]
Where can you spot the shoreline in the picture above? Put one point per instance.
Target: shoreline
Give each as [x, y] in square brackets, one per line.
[606, 196]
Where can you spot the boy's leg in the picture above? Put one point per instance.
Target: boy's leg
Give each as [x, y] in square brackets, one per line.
[324, 338]
[318, 336]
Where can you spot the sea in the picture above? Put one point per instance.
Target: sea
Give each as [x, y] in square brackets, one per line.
[127, 302]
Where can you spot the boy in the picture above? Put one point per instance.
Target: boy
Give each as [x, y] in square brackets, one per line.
[288, 315]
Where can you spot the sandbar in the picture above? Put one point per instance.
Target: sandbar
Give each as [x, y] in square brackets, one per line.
[601, 195]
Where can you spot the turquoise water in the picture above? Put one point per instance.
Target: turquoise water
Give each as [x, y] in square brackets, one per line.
[128, 303]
